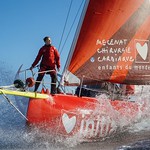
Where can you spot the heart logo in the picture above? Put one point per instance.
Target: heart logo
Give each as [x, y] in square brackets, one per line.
[142, 50]
[69, 123]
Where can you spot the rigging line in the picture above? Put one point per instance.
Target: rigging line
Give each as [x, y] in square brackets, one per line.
[10, 102]
[8, 86]
[65, 23]
[71, 27]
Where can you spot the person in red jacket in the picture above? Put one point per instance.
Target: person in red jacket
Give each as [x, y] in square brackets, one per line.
[50, 59]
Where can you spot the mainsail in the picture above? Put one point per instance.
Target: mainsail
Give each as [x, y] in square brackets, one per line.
[112, 42]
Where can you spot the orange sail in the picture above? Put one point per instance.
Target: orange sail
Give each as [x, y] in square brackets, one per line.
[113, 43]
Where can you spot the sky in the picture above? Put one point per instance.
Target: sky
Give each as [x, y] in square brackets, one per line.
[24, 24]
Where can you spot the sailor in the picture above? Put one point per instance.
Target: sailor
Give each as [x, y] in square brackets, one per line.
[50, 59]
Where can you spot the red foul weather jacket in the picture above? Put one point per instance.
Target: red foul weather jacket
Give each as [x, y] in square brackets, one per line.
[49, 55]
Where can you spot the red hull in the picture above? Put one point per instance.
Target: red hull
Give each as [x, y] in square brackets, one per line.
[88, 117]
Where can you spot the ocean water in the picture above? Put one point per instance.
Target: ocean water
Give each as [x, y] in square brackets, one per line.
[14, 134]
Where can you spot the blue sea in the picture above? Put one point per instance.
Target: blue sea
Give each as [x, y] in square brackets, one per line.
[14, 134]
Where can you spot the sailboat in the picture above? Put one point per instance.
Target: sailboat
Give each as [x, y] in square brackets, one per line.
[111, 46]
